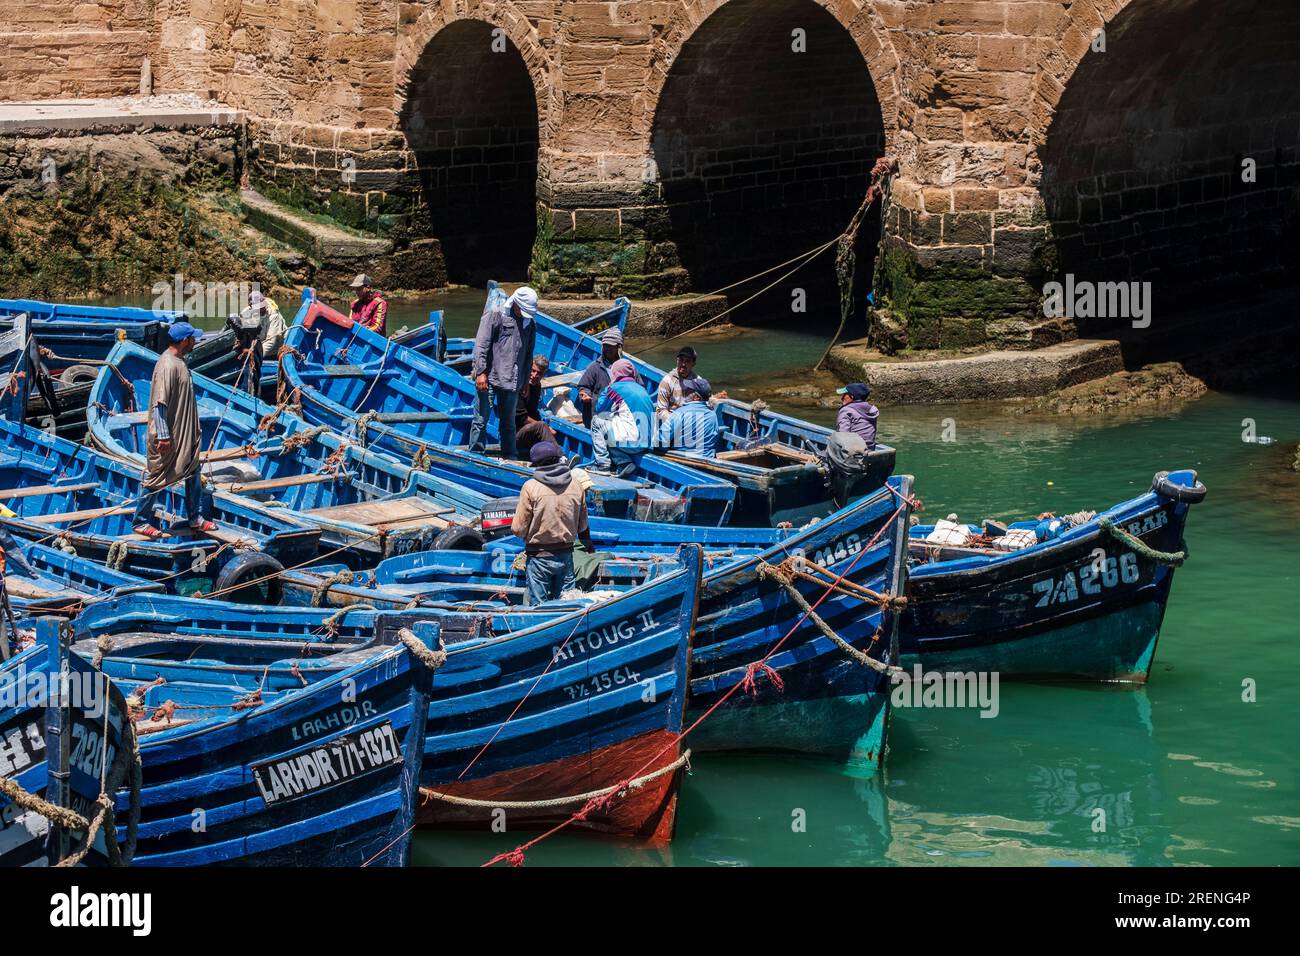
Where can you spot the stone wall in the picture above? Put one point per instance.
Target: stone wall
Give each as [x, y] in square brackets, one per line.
[680, 144]
[51, 50]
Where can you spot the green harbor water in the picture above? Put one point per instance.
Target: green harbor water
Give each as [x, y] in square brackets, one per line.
[1187, 772]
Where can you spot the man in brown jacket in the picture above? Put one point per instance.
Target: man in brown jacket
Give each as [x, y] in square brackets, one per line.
[551, 516]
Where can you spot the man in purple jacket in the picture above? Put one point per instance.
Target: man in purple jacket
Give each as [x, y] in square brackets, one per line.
[856, 414]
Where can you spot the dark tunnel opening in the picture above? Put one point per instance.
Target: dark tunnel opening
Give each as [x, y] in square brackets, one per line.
[471, 120]
[764, 153]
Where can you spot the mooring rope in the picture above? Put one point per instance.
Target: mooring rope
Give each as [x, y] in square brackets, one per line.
[424, 654]
[1173, 559]
[617, 789]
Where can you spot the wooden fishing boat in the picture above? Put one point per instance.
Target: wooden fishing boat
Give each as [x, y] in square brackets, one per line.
[321, 773]
[43, 580]
[776, 462]
[52, 490]
[367, 503]
[74, 334]
[825, 697]
[1086, 605]
[61, 725]
[355, 381]
[17, 353]
[532, 708]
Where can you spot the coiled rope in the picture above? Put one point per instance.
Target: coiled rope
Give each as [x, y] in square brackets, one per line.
[1173, 559]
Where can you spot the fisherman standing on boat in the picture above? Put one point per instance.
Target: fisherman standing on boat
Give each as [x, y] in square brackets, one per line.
[174, 436]
[259, 331]
[595, 378]
[693, 425]
[670, 387]
[270, 320]
[550, 517]
[369, 308]
[857, 415]
[503, 356]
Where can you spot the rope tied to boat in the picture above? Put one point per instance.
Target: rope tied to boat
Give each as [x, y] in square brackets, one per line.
[421, 461]
[322, 590]
[749, 683]
[291, 443]
[423, 653]
[331, 623]
[595, 799]
[363, 425]
[783, 577]
[1173, 559]
[117, 554]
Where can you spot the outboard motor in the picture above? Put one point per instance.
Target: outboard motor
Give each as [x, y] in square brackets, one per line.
[496, 516]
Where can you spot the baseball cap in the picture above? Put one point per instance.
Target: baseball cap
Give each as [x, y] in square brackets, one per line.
[256, 298]
[180, 331]
[687, 352]
[698, 385]
[858, 391]
[361, 281]
[544, 453]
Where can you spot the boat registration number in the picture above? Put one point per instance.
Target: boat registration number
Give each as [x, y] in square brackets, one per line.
[332, 764]
[1101, 573]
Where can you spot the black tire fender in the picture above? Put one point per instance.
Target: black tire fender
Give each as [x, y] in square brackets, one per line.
[244, 568]
[79, 375]
[1161, 485]
[459, 537]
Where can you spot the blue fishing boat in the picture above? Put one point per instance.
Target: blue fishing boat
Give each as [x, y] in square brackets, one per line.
[74, 334]
[532, 709]
[367, 503]
[319, 773]
[61, 734]
[824, 684]
[778, 463]
[52, 491]
[41, 580]
[355, 381]
[17, 368]
[1084, 603]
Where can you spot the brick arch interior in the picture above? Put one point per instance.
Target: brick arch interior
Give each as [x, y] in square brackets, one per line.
[1142, 160]
[762, 151]
[470, 116]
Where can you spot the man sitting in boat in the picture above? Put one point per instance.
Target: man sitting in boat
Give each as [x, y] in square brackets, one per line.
[173, 436]
[369, 307]
[503, 355]
[693, 426]
[857, 415]
[529, 427]
[595, 377]
[550, 517]
[670, 388]
[623, 423]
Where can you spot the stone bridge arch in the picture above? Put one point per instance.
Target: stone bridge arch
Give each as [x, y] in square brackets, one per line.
[474, 97]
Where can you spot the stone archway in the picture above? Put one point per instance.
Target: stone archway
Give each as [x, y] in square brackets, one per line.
[471, 95]
[766, 123]
[1144, 145]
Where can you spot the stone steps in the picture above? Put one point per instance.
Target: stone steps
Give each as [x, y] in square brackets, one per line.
[328, 244]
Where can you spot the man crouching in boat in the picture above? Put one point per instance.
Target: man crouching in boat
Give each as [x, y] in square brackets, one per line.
[174, 437]
[550, 517]
[369, 308]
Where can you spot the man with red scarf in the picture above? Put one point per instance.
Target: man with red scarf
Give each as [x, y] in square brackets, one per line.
[369, 308]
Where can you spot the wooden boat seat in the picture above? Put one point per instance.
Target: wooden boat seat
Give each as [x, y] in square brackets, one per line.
[11, 493]
[398, 418]
[270, 484]
[567, 378]
[770, 455]
[385, 515]
[89, 513]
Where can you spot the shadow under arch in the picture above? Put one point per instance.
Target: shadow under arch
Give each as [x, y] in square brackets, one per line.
[471, 120]
[763, 151]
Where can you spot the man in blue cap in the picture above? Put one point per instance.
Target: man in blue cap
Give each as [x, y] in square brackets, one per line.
[503, 357]
[692, 426]
[857, 415]
[550, 517]
[174, 437]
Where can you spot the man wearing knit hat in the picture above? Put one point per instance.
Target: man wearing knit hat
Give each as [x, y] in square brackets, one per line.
[503, 356]
[550, 517]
